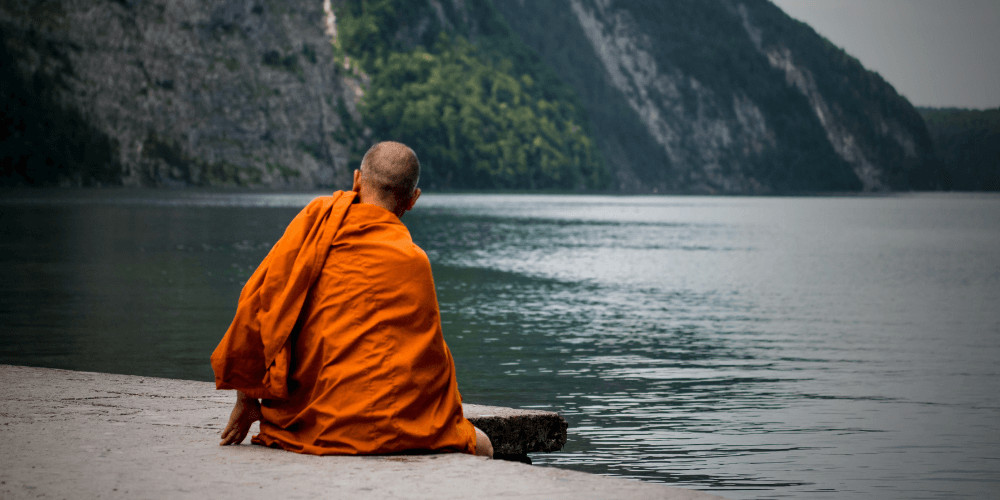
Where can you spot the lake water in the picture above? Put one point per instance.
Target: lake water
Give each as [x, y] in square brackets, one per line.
[824, 347]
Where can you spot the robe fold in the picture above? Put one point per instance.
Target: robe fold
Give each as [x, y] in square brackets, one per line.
[338, 331]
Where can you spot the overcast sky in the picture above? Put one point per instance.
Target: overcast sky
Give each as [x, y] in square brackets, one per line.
[934, 52]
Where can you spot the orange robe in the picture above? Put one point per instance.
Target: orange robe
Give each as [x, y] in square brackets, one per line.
[338, 332]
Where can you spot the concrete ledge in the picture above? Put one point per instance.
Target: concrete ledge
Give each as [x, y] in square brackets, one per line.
[516, 432]
[67, 434]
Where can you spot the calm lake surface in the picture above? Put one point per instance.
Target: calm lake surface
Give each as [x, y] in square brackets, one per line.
[843, 347]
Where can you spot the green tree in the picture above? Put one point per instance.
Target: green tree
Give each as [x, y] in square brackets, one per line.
[481, 115]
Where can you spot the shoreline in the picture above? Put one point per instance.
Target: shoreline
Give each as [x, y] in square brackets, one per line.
[86, 434]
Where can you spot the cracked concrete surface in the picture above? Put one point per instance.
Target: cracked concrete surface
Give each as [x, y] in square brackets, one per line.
[68, 434]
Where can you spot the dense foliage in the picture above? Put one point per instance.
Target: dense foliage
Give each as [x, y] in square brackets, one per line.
[480, 110]
[968, 144]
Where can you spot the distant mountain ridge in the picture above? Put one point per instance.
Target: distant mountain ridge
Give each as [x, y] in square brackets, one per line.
[728, 96]
[967, 142]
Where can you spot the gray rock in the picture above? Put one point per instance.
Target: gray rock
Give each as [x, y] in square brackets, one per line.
[191, 92]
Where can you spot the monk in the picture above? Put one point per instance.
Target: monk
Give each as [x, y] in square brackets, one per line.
[336, 346]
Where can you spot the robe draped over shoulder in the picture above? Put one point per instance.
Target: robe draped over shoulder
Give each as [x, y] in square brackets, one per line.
[338, 331]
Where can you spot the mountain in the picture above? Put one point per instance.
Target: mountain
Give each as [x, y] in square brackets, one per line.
[968, 143]
[179, 92]
[726, 96]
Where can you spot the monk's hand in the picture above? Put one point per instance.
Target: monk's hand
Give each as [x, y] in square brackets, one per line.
[245, 413]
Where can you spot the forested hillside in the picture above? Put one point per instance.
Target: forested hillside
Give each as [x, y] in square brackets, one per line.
[727, 96]
[968, 144]
[453, 82]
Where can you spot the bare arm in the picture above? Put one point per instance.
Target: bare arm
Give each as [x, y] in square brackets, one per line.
[245, 413]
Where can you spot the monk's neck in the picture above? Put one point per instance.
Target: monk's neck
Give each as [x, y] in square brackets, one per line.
[378, 202]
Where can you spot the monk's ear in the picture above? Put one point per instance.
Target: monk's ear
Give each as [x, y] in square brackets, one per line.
[413, 200]
[357, 181]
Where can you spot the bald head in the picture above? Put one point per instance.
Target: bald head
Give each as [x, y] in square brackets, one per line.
[388, 176]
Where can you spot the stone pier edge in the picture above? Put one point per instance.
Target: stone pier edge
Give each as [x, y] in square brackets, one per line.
[73, 434]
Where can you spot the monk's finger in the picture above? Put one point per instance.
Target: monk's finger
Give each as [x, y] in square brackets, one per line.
[229, 435]
[229, 428]
[237, 434]
[230, 439]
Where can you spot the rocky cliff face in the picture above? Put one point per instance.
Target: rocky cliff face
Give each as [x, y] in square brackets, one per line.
[676, 109]
[226, 92]
[735, 96]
